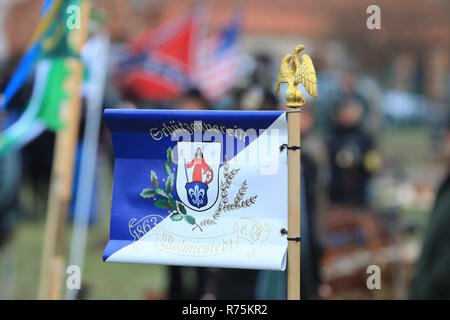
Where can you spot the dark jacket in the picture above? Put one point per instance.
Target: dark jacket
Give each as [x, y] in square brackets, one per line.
[347, 149]
[432, 279]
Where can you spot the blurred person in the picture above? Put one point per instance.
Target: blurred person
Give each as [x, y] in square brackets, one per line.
[10, 163]
[191, 100]
[10, 179]
[310, 175]
[352, 155]
[256, 92]
[19, 101]
[256, 97]
[431, 280]
[308, 162]
[264, 70]
[36, 156]
[38, 160]
[236, 284]
[333, 83]
[353, 83]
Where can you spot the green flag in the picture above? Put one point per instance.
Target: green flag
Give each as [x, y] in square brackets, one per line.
[49, 92]
[55, 94]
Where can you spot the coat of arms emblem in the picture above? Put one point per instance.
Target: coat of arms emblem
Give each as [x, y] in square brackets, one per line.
[197, 180]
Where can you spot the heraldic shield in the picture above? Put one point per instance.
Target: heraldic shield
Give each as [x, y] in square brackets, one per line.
[197, 179]
[197, 193]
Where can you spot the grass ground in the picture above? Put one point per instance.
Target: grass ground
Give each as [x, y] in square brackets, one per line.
[102, 280]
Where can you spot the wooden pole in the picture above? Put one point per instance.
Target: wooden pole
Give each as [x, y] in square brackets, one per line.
[60, 190]
[293, 72]
[293, 267]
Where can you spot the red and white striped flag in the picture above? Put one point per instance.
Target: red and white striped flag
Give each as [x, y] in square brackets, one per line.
[218, 62]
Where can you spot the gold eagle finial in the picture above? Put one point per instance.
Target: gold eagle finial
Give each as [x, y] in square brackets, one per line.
[295, 73]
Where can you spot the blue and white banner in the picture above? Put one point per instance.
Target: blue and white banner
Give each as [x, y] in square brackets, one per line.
[199, 188]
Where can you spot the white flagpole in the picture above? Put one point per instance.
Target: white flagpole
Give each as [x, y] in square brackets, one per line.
[97, 65]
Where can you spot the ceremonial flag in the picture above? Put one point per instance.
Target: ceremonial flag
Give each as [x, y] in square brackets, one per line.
[199, 188]
[159, 64]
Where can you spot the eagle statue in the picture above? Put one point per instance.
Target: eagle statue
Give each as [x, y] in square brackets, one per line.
[295, 73]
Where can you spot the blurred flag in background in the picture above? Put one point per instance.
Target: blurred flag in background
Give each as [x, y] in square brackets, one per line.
[176, 56]
[219, 60]
[158, 65]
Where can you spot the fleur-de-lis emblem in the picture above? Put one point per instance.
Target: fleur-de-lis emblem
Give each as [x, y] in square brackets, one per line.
[197, 195]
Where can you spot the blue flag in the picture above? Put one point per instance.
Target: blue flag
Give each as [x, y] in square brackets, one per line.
[198, 188]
